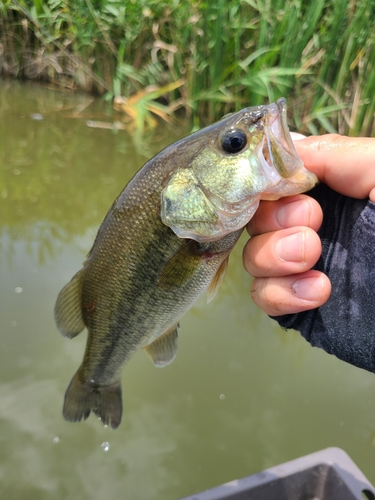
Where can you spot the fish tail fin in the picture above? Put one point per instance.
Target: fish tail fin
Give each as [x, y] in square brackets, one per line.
[82, 398]
[109, 404]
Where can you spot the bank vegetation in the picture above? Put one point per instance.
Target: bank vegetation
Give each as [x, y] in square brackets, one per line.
[167, 58]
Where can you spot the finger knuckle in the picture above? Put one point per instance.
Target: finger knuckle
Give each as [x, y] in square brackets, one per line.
[266, 297]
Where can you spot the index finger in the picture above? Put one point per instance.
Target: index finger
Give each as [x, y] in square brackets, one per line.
[298, 210]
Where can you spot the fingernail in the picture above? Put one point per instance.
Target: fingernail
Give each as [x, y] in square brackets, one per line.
[295, 213]
[296, 136]
[291, 248]
[308, 288]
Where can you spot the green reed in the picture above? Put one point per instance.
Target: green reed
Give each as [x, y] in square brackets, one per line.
[228, 53]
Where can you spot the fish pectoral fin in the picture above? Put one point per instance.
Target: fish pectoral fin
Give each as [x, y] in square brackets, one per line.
[180, 267]
[163, 350]
[68, 310]
[217, 280]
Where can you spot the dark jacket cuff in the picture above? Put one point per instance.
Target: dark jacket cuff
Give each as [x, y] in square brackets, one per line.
[345, 325]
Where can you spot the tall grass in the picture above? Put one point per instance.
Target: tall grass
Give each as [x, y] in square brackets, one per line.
[205, 57]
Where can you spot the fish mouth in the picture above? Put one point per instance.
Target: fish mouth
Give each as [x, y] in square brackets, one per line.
[277, 153]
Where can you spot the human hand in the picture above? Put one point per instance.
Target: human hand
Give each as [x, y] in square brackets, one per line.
[285, 244]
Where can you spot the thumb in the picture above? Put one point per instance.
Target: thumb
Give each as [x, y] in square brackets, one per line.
[345, 164]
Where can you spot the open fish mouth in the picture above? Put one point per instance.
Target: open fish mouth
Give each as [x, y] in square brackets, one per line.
[278, 155]
[244, 158]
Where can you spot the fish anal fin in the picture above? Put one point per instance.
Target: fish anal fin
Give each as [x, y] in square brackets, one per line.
[68, 309]
[82, 398]
[163, 350]
[217, 280]
[180, 267]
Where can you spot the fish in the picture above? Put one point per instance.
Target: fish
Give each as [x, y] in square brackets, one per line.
[165, 241]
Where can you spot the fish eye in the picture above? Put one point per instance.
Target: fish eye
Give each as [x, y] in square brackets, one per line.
[234, 141]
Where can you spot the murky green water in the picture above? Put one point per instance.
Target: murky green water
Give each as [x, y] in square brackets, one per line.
[241, 396]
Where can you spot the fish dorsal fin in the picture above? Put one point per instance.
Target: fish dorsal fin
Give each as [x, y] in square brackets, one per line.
[163, 350]
[68, 310]
[180, 267]
[217, 280]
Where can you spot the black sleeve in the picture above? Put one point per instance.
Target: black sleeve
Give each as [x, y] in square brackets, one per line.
[345, 324]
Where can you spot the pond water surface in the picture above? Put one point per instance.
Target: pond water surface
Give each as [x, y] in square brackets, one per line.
[242, 394]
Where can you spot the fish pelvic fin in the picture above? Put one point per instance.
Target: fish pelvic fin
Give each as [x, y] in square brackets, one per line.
[68, 309]
[163, 350]
[82, 398]
[217, 280]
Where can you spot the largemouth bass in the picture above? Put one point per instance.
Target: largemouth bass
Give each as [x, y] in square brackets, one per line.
[165, 241]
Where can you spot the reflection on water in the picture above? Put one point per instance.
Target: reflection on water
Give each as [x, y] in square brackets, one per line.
[242, 395]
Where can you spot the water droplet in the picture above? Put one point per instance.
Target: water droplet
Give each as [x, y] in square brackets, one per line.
[16, 171]
[222, 397]
[105, 446]
[18, 289]
[37, 116]
[56, 439]
[13, 323]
